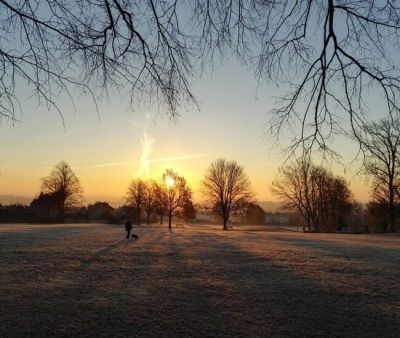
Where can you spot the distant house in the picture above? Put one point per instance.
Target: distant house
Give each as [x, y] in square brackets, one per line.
[44, 209]
[276, 218]
[255, 214]
[205, 217]
[101, 212]
[75, 215]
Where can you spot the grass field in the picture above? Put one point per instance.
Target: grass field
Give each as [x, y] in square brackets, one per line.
[87, 280]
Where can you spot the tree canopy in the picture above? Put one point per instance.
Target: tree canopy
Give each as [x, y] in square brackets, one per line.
[136, 195]
[227, 189]
[175, 195]
[331, 54]
[64, 186]
[381, 144]
[320, 198]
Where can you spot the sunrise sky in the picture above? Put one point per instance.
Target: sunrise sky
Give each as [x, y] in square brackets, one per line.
[105, 151]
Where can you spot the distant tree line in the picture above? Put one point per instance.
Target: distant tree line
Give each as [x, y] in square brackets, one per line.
[225, 186]
[321, 200]
[14, 213]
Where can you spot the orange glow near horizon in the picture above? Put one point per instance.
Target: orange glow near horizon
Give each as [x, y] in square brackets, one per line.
[109, 183]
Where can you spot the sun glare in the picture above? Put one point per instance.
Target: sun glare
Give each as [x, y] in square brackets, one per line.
[169, 181]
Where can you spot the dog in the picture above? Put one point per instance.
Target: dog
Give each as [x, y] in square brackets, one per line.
[135, 237]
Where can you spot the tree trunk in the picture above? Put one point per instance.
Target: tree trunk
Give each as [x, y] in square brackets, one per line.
[169, 219]
[225, 224]
[62, 213]
[392, 211]
[392, 218]
[308, 224]
[138, 216]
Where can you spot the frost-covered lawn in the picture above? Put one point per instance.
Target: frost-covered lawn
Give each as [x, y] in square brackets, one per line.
[87, 280]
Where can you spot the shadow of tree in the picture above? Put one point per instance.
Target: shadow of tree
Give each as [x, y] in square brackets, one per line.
[86, 264]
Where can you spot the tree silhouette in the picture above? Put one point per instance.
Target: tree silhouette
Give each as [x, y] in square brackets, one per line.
[55, 46]
[381, 144]
[175, 194]
[188, 211]
[136, 196]
[150, 200]
[333, 54]
[64, 187]
[226, 188]
[320, 198]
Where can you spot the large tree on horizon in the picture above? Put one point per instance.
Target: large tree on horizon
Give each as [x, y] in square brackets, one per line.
[335, 57]
[381, 145]
[151, 200]
[174, 194]
[136, 196]
[63, 185]
[320, 198]
[226, 188]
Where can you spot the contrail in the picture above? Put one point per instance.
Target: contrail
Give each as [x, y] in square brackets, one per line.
[147, 149]
[150, 160]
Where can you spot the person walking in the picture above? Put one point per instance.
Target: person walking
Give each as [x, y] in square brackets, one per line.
[128, 228]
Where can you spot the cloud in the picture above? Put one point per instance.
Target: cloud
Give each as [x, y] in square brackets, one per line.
[150, 160]
[178, 158]
[147, 148]
[111, 164]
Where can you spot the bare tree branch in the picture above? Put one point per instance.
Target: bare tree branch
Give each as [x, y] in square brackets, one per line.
[337, 57]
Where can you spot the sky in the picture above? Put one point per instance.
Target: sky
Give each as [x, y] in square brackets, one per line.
[105, 148]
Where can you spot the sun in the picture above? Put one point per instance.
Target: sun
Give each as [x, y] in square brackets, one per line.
[169, 181]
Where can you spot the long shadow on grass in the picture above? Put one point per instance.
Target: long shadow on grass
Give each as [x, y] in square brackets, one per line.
[197, 285]
[346, 249]
[264, 298]
[98, 301]
[199, 310]
[88, 262]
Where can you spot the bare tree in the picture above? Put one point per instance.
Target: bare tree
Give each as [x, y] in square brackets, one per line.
[292, 188]
[64, 186]
[381, 144]
[188, 211]
[136, 196]
[175, 194]
[333, 54]
[55, 46]
[150, 200]
[321, 199]
[226, 188]
[341, 203]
